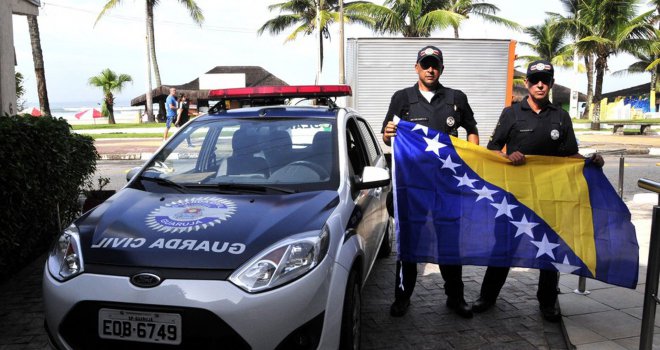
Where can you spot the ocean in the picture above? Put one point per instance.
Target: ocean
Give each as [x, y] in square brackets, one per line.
[69, 110]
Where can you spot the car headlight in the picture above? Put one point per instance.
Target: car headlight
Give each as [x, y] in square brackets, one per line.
[65, 258]
[283, 262]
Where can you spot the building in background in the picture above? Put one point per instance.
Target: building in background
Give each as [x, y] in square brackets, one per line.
[219, 77]
[7, 53]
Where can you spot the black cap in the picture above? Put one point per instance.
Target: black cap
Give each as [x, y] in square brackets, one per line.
[429, 51]
[540, 67]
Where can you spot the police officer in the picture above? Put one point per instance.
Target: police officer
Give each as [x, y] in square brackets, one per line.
[533, 126]
[430, 104]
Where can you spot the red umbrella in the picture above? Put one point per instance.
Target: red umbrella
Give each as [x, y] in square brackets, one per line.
[34, 111]
[89, 113]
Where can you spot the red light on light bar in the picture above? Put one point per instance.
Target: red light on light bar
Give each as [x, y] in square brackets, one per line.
[283, 91]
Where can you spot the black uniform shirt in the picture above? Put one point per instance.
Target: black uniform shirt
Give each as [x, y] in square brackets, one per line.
[399, 106]
[532, 133]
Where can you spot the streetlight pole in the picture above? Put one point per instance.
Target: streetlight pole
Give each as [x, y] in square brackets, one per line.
[342, 79]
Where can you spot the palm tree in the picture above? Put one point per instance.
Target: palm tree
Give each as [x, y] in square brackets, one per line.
[20, 91]
[110, 82]
[410, 18]
[38, 59]
[647, 62]
[613, 27]
[572, 26]
[309, 17]
[548, 44]
[478, 8]
[190, 5]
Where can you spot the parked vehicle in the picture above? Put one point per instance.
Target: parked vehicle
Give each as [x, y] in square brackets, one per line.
[258, 236]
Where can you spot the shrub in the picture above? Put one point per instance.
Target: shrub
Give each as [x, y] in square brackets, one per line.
[42, 167]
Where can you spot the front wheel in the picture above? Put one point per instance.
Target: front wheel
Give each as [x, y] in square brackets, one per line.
[351, 318]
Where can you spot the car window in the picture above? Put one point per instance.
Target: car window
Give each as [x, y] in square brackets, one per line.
[369, 141]
[294, 153]
[355, 146]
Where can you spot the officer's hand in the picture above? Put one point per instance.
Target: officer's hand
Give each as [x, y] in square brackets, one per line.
[597, 160]
[390, 131]
[517, 158]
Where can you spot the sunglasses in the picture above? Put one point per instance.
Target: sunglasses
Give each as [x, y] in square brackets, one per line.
[535, 80]
[426, 64]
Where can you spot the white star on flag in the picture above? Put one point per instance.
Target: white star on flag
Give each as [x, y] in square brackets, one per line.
[504, 208]
[484, 193]
[524, 226]
[433, 144]
[545, 247]
[424, 129]
[565, 266]
[465, 181]
[449, 164]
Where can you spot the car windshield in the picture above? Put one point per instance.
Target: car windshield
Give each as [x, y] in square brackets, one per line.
[281, 155]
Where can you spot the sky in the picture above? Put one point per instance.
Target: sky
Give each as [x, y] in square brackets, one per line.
[75, 49]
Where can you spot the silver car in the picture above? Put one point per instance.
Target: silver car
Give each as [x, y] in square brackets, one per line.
[252, 228]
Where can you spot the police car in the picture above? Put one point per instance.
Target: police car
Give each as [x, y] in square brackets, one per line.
[251, 228]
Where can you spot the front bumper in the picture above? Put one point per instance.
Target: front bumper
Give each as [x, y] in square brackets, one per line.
[210, 309]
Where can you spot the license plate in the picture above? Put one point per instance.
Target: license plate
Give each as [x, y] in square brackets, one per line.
[148, 327]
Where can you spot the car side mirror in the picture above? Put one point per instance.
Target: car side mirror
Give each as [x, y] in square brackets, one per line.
[373, 177]
[131, 173]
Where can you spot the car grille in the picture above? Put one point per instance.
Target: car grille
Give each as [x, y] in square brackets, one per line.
[201, 328]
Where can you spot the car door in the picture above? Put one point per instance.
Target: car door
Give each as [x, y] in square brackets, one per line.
[369, 203]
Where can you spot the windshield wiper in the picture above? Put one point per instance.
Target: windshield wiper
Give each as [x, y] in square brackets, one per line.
[252, 188]
[164, 182]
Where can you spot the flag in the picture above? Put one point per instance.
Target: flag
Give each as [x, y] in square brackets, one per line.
[459, 203]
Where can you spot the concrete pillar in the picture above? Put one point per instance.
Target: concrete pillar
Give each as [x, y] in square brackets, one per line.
[7, 60]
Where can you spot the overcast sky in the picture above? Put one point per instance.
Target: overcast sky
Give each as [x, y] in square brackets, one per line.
[74, 49]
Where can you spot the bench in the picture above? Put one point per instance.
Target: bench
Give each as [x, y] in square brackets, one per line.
[644, 125]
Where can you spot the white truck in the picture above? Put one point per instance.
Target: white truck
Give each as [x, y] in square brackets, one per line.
[481, 68]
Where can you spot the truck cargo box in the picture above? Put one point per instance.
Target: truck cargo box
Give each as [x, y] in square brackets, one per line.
[481, 68]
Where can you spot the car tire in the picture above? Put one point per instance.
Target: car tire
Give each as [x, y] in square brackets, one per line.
[351, 318]
[386, 246]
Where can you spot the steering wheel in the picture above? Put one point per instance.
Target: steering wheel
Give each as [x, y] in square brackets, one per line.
[323, 174]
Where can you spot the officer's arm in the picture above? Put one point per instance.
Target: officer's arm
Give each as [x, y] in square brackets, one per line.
[389, 128]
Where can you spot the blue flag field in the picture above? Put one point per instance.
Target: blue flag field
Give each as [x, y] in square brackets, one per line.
[459, 203]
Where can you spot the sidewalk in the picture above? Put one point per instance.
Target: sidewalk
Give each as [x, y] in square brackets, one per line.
[610, 317]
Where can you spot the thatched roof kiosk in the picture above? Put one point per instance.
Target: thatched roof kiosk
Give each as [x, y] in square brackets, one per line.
[254, 76]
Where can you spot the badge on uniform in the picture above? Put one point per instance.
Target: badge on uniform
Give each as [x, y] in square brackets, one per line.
[554, 134]
[450, 121]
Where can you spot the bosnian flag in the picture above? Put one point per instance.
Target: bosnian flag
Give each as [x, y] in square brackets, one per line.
[459, 203]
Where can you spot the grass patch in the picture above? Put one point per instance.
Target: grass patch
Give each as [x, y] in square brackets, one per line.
[117, 126]
[121, 135]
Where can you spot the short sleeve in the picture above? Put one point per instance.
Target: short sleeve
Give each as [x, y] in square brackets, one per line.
[398, 101]
[500, 136]
[467, 115]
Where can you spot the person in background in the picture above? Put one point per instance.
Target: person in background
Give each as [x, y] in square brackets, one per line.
[171, 108]
[532, 126]
[182, 115]
[430, 104]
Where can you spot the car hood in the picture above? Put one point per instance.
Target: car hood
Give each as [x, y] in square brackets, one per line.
[196, 231]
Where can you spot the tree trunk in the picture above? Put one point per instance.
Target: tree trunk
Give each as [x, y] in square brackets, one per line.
[601, 66]
[589, 63]
[38, 58]
[110, 104]
[152, 38]
[154, 61]
[148, 103]
[455, 32]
